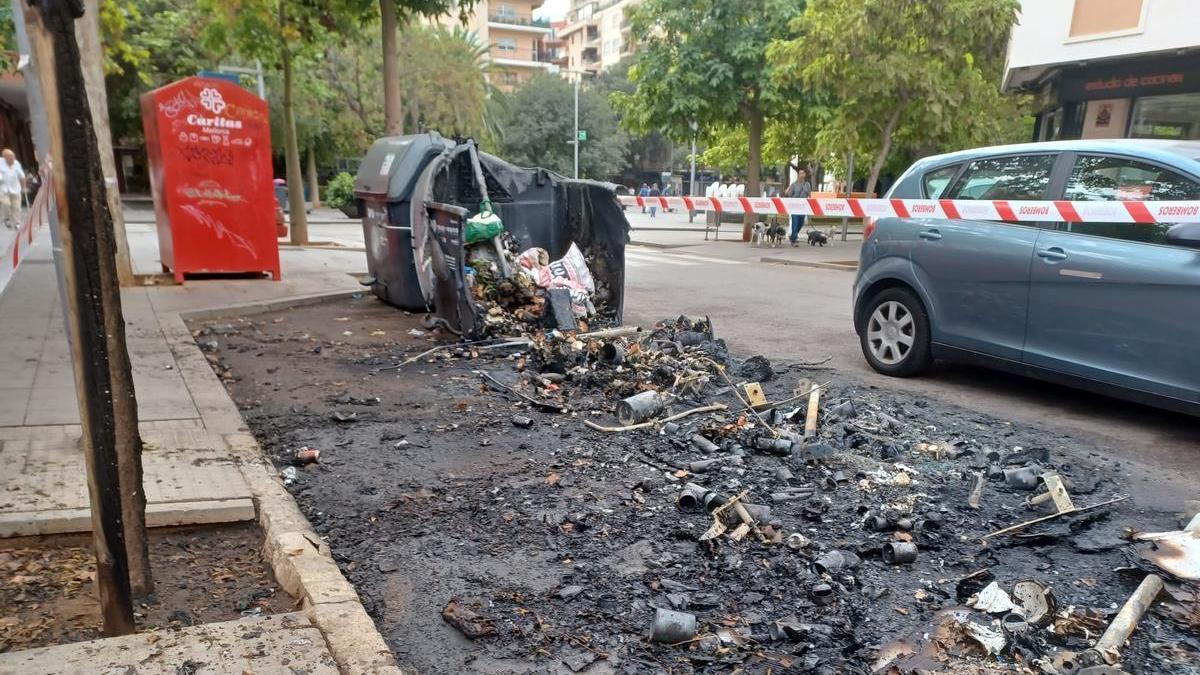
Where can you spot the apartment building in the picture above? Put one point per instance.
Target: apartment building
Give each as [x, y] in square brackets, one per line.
[596, 36]
[1109, 68]
[514, 38]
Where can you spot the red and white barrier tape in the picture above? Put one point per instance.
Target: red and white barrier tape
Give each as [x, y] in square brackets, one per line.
[1030, 211]
[37, 216]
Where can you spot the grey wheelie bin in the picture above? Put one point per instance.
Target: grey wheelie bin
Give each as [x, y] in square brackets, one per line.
[387, 178]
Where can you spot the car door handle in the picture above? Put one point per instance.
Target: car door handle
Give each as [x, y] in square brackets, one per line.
[1053, 253]
[930, 235]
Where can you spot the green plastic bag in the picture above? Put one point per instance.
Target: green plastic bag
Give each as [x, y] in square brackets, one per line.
[483, 225]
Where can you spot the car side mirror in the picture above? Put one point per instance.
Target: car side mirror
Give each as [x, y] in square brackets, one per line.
[1184, 234]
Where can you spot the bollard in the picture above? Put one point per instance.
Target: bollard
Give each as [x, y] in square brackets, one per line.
[672, 627]
[639, 408]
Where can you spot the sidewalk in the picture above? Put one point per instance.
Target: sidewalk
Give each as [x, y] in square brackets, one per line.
[201, 465]
[836, 253]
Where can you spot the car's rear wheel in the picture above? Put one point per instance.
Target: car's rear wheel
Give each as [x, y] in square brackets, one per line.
[895, 333]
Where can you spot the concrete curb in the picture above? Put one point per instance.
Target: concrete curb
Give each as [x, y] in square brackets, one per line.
[808, 263]
[300, 559]
[252, 308]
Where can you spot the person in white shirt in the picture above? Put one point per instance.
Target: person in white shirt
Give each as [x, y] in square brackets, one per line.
[12, 184]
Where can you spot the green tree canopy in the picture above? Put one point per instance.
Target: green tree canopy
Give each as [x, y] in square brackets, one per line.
[705, 63]
[540, 121]
[923, 72]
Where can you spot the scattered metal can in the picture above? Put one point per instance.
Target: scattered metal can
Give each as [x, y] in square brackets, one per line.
[672, 627]
[307, 455]
[640, 407]
[612, 353]
[830, 563]
[775, 446]
[704, 444]
[904, 524]
[843, 411]
[692, 498]
[877, 523]
[797, 541]
[784, 473]
[899, 552]
[1014, 623]
[1023, 478]
[522, 421]
[821, 594]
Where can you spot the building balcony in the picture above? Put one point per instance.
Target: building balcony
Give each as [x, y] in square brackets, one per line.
[521, 58]
[519, 23]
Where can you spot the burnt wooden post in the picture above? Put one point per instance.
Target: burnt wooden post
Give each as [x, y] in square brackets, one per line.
[92, 306]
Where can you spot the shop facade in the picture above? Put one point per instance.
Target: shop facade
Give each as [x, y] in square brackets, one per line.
[1108, 68]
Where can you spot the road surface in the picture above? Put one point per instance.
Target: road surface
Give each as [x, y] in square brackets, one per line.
[804, 314]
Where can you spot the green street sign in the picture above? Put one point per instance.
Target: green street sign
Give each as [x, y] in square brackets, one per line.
[583, 134]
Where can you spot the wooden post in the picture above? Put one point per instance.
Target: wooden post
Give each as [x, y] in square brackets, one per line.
[129, 441]
[92, 299]
[87, 32]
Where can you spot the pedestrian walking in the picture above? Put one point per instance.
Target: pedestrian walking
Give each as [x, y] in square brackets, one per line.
[644, 192]
[12, 185]
[799, 189]
[654, 194]
[668, 191]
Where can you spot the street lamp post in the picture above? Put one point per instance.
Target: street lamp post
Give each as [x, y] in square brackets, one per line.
[695, 128]
[575, 141]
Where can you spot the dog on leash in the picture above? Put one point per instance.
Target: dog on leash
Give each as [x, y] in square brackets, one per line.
[758, 233]
[817, 238]
[775, 234]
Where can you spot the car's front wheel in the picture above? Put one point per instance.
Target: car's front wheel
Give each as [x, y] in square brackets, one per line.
[895, 334]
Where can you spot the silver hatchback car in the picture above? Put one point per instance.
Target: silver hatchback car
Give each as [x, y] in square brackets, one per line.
[1111, 307]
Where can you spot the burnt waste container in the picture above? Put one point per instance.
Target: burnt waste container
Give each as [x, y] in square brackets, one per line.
[384, 188]
[414, 230]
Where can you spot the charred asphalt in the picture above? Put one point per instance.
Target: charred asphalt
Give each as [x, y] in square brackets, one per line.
[480, 545]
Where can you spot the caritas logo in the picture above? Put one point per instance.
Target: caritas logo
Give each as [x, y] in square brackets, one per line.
[212, 101]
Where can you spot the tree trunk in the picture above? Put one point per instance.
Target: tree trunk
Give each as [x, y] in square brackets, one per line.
[884, 149]
[754, 127]
[128, 439]
[314, 188]
[297, 218]
[393, 112]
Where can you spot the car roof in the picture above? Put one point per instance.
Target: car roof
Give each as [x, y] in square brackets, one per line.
[1151, 148]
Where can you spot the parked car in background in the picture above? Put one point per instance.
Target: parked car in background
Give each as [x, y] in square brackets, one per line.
[1111, 307]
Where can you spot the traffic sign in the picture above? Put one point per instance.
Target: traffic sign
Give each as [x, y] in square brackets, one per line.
[582, 135]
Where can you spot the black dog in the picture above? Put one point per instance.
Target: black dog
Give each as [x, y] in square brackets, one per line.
[817, 238]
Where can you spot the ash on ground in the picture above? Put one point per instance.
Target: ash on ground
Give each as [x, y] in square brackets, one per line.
[491, 524]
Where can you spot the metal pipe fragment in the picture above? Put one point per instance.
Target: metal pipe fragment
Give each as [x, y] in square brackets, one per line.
[704, 444]
[1127, 619]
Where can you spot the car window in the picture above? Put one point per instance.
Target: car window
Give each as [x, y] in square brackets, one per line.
[1098, 178]
[1018, 177]
[936, 181]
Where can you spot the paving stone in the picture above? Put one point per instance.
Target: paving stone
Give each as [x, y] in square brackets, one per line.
[280, 644]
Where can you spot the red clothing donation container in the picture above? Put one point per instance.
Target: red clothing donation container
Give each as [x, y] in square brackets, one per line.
[209, 145]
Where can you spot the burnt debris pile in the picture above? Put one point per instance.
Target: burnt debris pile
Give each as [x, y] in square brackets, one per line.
[767, 524]
[676, 509]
